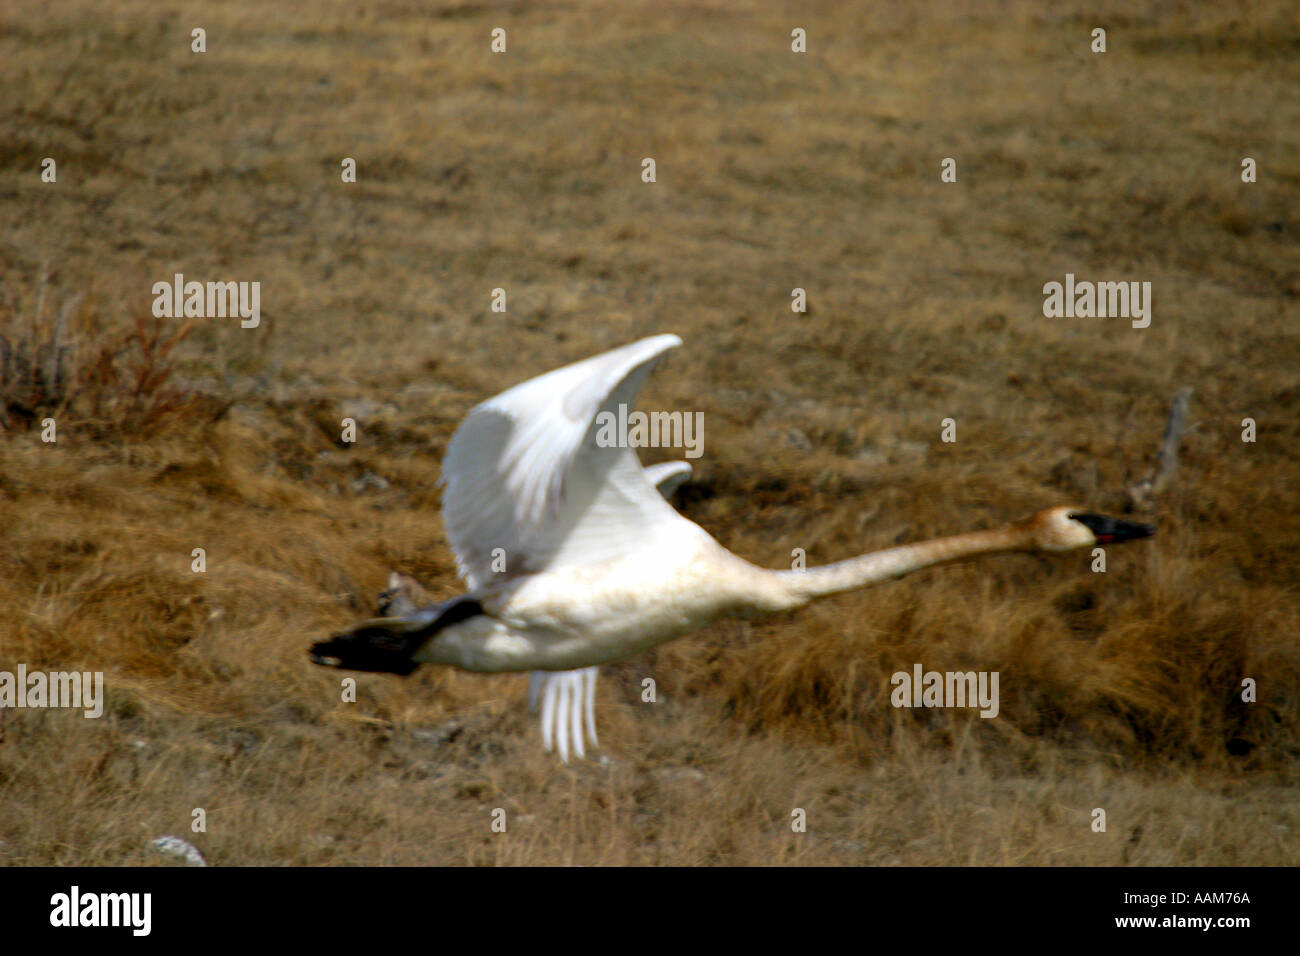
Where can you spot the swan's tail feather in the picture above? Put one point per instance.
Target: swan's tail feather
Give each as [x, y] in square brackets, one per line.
[388, 645]
[567, 697]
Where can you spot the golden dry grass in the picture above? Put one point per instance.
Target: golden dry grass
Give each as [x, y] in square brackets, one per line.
[521, 171]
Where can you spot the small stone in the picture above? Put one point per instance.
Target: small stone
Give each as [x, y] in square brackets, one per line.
[175, 846]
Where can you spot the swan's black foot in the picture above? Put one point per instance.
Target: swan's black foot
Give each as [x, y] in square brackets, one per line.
[388, 645]
[366, 648]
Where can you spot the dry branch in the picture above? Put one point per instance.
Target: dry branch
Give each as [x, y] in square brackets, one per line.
[1160, 477]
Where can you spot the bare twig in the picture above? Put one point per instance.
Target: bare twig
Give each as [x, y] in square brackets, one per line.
[1162, 472]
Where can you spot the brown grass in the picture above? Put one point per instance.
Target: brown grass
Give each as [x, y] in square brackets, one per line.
[1118, 691]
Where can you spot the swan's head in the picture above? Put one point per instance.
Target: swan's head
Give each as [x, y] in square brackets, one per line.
[1065, 529]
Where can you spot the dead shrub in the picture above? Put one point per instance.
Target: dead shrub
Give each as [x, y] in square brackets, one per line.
[70, 360]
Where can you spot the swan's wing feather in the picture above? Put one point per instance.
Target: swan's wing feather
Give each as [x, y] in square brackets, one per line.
[523, 472]
[568, 700]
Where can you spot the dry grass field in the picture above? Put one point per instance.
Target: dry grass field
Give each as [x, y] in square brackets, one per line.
[775, 170]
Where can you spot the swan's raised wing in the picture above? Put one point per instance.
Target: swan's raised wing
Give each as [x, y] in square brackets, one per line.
[524, 472]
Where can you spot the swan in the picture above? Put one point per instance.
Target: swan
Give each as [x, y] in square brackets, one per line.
[573, 557]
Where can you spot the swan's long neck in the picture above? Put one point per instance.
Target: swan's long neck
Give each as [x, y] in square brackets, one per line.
[789, 589]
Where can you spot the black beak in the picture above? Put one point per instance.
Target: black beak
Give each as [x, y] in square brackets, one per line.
[1107, 530]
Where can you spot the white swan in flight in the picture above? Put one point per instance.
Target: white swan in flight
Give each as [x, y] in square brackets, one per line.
[573, 557]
